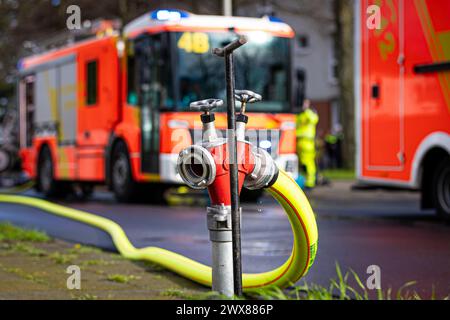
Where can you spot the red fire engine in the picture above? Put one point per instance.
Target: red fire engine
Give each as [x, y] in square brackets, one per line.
[114, 109]
[402, 91]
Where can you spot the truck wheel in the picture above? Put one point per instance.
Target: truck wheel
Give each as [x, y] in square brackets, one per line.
[123, 185]
[47, 184]
[441, 189]
[5, 160]
[87, 190]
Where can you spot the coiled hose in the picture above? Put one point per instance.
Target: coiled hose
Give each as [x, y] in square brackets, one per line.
[284, 190]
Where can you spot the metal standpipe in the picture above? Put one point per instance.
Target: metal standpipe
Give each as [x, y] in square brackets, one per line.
[219, 226]
[227, 53]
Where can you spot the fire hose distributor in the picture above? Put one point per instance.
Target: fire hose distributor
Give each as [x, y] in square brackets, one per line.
[206, 165]
[201, 165]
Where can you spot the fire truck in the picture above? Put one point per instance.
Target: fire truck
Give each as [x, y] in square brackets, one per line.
[402, 94]
[113, 108]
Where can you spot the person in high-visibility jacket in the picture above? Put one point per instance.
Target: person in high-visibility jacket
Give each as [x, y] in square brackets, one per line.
[306, 148]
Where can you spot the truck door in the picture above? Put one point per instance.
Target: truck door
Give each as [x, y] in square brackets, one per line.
[26, 111]
[98, 73]
[98, 105]
[383, 88]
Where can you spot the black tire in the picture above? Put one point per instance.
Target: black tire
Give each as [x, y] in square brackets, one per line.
[122, 182]
[441, 189]
[123, 185]
[87, 190]
[5, 160]
[46, 182]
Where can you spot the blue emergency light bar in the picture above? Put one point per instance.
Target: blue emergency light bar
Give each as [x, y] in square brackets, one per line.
[20, 64]
[168, 14]
[275, 19]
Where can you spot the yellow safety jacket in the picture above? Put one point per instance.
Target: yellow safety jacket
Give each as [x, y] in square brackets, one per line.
[306, 124]
[306, 147]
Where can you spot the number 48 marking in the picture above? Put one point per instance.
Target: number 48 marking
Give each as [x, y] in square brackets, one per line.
[196, 42]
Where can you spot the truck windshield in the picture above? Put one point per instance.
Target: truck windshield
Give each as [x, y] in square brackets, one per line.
[262, 65]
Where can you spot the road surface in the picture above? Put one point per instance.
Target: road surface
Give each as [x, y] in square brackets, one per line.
[356, 229]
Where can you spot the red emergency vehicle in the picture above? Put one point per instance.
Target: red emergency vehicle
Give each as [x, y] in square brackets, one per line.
[114, 108]
[402, 93]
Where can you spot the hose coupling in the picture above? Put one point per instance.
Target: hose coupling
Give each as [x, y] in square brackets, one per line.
[264, 173]
[196, 167]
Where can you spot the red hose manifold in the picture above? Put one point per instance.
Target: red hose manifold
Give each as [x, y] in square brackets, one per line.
[219, 190]
[208, 166]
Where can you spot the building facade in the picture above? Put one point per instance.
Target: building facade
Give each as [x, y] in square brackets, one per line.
[315, 63]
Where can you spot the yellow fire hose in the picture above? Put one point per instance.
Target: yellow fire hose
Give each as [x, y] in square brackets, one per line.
[285, 190]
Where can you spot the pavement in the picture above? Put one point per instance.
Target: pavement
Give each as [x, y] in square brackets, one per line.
[357, 229]
[44, 270]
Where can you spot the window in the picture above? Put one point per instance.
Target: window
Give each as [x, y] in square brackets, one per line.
[132, 97]
[262, 65]
[28, 128]
[333, 67]
[29, 92]
[153, 83]
[131, 81]
[303, 41]
[303, 44]
[91, 82]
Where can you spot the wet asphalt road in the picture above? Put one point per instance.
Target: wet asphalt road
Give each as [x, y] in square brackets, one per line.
[356, 229]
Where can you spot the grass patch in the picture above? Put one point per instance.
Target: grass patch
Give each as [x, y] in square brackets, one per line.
[339, 289]
[85, 296]
[62, 258]
[150, 266]
[78, 248]
[8, 232]
[24, 275]
[121, 278]
[93, 262]
[28, 249]
[176, 293]
[339, 174]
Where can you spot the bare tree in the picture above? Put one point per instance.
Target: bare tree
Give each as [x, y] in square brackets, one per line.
[344, 48]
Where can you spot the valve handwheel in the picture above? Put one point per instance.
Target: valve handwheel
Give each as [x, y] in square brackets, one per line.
[206, 105]
[246, 96]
